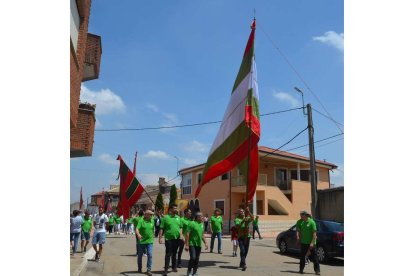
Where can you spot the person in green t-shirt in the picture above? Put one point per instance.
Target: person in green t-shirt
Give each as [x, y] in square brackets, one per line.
[185, 221]
[256, 227]
[118, 221]
[86, 231]
[111, 224]
[306, 234]
[135, 222]
[171, 226]
[193, 239]
[145, 233]
[242, 222]
[216, 228]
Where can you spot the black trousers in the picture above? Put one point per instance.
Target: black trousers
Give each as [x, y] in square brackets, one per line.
[157, 230]
[194, 258]
[244, 244]
[171, 247]
[180, 250]
[303, 250]
[256, 229]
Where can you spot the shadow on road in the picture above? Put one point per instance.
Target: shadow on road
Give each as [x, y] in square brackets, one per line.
[115, 237]
[295, 272]
[129, 255]
[331, 262]
[228, 267]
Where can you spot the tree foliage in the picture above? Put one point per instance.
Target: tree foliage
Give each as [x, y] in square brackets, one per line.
[159, 202]
[173, 195]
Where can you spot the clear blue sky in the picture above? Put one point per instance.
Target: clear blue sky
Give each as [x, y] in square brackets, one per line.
[169, 63]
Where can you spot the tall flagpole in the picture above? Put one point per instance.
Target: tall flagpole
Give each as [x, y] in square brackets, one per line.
[135, 173]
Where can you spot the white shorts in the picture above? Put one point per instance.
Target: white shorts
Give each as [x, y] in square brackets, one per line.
[235, 242]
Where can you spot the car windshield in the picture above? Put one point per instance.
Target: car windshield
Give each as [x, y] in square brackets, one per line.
[334, 226]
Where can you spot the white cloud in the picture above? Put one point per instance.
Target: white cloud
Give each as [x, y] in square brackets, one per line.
[106, 101]
[170, 117]
[153, 107]
[149, 178]
[333, 39]
[158, 154]
[286, 97]
[337, 176]
[190, 162]
[196, 146]
[108, 159]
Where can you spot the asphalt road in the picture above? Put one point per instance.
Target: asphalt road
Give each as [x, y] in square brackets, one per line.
[119, 258]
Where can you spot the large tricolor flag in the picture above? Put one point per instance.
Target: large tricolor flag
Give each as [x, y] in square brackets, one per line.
[236, 143]
[130, 190]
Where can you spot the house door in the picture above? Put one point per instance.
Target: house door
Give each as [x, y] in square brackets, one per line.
[281, 179]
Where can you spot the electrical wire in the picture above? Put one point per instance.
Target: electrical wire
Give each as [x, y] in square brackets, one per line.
[327, 117]
[188, 125]
[316, 142]
[284, 143]
[297, 73]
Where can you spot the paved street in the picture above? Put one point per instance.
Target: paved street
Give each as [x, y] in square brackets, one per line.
[119, 258]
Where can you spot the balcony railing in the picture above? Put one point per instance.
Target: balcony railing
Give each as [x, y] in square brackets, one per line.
[263, 180]
[92, 57]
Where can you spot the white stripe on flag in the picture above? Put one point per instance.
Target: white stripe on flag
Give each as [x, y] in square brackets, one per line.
[235, 111]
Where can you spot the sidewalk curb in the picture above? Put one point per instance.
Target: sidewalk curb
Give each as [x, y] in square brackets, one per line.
[88, 255]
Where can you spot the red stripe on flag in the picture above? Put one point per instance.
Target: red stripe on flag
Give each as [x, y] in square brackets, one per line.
[227, 164]
[251, 39]
[252, 119]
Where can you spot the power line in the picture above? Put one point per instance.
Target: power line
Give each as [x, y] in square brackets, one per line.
[324, 144]
[327, 117]
[188, 125]
[297, 73]
[285, 143]
[316, 141]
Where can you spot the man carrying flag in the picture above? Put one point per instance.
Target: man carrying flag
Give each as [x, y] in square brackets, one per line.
[236, 143]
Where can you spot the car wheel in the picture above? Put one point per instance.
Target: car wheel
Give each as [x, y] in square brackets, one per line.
[283, 246]
[321, 254]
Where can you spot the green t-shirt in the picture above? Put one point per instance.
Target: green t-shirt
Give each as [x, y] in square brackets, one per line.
[256, 222]
[111, 221]
[171, 226]
[87, 224]
[216, 224]
[136, 220]
[117, 220]
[129, 220]
[306, 230]
[241, 225]
[185, 221]
[196, 230]
[146, 230]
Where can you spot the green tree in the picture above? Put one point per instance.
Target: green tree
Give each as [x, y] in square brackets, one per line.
[159, 202]
[173, 195]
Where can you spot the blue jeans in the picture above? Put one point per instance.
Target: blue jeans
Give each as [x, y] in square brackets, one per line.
[213, 237]
[244, 249]
[194, 259]
[75, 238]
[142, 248]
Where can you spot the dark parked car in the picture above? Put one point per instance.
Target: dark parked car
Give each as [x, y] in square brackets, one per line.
[329, 243]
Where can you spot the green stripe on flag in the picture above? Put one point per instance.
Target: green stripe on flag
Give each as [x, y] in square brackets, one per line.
[245, 68]
[235, 139]
[132, 187]
[252, 101]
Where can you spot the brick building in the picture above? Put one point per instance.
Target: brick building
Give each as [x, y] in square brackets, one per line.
[85, 59]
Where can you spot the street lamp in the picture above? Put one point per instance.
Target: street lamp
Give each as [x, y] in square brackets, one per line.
[303, 102]
[177, 164]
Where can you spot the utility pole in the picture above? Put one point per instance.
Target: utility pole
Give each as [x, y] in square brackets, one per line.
[312, 162]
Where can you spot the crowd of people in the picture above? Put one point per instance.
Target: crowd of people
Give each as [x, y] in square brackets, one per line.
[175, 232]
